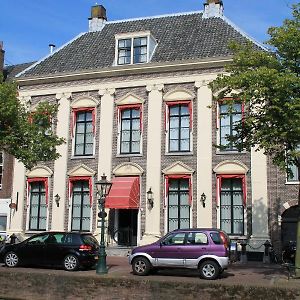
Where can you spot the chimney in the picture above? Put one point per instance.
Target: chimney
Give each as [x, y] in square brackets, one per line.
[51, 47]
[1, 57]
[213, 9]
[97, 19]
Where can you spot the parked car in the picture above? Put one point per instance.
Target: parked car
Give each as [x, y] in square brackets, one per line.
[204, 249]
[70, 250]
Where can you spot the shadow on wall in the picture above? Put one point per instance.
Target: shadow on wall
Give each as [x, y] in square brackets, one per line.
[259, 218]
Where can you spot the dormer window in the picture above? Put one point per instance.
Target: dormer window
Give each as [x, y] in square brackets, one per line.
[134, 48]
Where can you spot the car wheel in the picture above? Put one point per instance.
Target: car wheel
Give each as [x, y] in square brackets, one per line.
[71, 263]
[209, 270]
[141, 266]
[11, 259]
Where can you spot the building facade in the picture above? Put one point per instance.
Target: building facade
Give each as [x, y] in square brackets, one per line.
[134, 103]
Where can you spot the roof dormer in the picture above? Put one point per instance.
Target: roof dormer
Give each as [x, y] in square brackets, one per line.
[134, 48]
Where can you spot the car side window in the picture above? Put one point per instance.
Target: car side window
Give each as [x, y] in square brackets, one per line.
[59, 237]
[175, 239]
[38, 239]
[197, 238]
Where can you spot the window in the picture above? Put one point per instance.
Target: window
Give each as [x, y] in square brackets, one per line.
[197, 238]
[293, 176]
[130, 130]
[132, 50]
[178, 204]
[3, 222]
[175, 239]
[1, 168]
[84, 132]
[230, 116]
[38, 205]
[40, 239]
[81, 212]
[179, 127]
[231, 205]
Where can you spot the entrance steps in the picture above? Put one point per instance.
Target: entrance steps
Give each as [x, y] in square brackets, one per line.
[118, 251]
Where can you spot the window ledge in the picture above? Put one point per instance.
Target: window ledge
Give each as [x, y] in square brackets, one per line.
[130, 155]
[83, 157]
[230, 152]
[292, 182]
[179, 153]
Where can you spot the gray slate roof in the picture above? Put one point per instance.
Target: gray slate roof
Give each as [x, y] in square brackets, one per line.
[11, 71]
[180, 37]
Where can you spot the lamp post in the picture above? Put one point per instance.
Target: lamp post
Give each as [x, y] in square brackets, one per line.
[103, 187]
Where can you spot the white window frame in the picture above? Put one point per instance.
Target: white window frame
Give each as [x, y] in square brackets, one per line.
[132, 36]
[167, 120]
[70, 197]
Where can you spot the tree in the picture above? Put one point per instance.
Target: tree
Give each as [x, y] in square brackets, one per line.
[26, 135]
[268, 83]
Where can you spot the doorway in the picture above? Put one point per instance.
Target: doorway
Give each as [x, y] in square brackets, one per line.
[125, 233]
[289, 225]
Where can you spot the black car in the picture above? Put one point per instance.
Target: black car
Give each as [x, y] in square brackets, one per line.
[68, 249]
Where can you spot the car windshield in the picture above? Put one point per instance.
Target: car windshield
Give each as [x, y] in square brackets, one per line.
[89, 240]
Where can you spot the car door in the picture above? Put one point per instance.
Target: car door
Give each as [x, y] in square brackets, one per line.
[170, 253]
[32, 250]
[197, 244]
[54, 249]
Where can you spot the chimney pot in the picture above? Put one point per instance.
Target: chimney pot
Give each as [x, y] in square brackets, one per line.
[213, 9]
[51, 46]
[98, 18]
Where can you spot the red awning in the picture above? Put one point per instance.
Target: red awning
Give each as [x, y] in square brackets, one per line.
[124, 193]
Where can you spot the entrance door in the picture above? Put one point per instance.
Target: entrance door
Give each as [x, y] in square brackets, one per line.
[126, 235]
[289, 225]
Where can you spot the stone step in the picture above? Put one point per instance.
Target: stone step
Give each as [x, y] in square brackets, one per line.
[118, 251]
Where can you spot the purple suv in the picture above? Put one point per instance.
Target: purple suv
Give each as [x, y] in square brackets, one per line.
[198, 248]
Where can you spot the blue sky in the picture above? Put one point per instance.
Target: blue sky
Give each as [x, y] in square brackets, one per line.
[28, 26]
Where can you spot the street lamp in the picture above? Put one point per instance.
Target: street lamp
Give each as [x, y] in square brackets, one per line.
[103, 187]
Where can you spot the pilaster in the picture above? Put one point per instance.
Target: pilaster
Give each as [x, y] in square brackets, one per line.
[60, 165]
[153, 175]
[106, 132]
[204, 153]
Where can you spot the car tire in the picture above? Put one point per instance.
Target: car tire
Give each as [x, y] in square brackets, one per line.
[141, 266]
[71, 263]
[11, 259]
[209, 270]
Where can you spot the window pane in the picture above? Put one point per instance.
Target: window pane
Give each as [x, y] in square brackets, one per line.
[174, 122]
[173, 224]
[185, 121]
[140, 41]
[89, 149]
[184, 211]
[80, 116]
[185, 133]
[201, 238]
[125, 137]
[224, 108]
[136, 135]
[184, 223]
[185, 145]
[136, 124]
[174, 133]
[126, 125]
[174, 146]
[173, 212]
[173, 198]
[135, 147]
[174, 110]
[126, 113]
[125, 147]
[3, 221]
[79, 139]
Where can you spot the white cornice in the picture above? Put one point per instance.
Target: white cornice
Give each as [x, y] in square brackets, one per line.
[128, 70]
[111, 86]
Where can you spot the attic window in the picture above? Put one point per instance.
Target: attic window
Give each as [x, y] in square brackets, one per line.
[134, 48]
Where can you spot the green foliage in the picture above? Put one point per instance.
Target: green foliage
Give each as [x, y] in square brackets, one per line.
[27, 136]
[269, 84]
